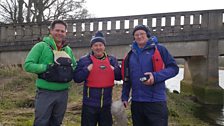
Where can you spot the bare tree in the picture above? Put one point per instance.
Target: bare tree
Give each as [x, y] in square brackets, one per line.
[64, 9]
[9, 11]
[20, 17]
[28, 6]
[18, 11]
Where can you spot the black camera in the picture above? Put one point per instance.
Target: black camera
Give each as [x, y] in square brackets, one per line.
[145, 78]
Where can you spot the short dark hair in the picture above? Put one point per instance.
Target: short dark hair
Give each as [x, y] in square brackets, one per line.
[53, 23]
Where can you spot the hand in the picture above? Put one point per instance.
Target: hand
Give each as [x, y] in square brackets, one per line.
[90, 67]
[112, 67]
[125, 103]
[150, 81]
[50, 66]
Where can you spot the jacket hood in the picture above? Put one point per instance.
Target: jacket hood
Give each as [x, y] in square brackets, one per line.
[135, 48]
[50, 41]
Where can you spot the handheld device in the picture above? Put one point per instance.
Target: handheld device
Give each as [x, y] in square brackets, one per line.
[145, 78]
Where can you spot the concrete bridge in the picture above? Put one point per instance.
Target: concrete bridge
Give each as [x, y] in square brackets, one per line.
[196, 36]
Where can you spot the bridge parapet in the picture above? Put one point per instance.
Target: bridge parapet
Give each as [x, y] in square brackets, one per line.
[169, 26]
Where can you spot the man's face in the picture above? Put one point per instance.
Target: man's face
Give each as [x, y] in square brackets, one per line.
[58, 33]
[98, 49]
[141, 37]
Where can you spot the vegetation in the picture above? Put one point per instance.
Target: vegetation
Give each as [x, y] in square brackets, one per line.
[17, 92]
[19, 11]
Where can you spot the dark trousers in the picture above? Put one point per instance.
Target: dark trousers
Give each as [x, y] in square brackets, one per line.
[91, 116]
[149, 113]
[50, 107]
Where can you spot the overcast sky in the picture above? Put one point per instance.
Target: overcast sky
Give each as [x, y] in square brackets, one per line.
[110, 8]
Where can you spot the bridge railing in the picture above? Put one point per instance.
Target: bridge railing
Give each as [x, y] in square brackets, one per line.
[167, 24]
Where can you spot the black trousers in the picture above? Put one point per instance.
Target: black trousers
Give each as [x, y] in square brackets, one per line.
[149, 113]
[91, 116]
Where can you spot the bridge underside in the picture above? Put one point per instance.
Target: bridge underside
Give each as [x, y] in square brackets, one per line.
[201, 79]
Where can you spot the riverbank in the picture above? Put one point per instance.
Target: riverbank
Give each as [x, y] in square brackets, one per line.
[182, 66]
[17, 92]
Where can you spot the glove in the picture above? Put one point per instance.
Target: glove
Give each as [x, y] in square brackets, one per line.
[51, 67]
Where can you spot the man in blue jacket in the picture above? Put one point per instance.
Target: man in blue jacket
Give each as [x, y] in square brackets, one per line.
[146, 78]
[98, 71]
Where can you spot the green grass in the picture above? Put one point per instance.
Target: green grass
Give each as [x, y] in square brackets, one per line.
[17, 92]
[182, 110]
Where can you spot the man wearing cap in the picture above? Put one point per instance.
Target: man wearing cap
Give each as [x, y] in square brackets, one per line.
[98, 71]
[146, 68]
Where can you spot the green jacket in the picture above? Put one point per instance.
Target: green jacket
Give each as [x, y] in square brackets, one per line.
[38, 59]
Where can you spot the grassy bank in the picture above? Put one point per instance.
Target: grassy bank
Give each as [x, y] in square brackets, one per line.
[17, 92]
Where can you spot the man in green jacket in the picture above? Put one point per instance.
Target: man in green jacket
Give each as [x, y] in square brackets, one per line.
[53, 61]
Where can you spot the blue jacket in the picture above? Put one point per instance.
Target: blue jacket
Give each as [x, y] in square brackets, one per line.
[140, 61]
[93, 96]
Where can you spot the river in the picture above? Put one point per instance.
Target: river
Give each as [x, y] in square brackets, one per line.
[174, 83]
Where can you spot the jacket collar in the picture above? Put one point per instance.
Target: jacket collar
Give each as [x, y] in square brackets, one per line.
[50, 41]
[135, 48]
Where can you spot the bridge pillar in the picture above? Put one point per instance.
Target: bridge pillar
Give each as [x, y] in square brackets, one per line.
[201, 78]
[186, 83]
[213, 92]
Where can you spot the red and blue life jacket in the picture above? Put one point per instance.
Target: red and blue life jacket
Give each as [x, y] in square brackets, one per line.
[157, 60]
[101, 75]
